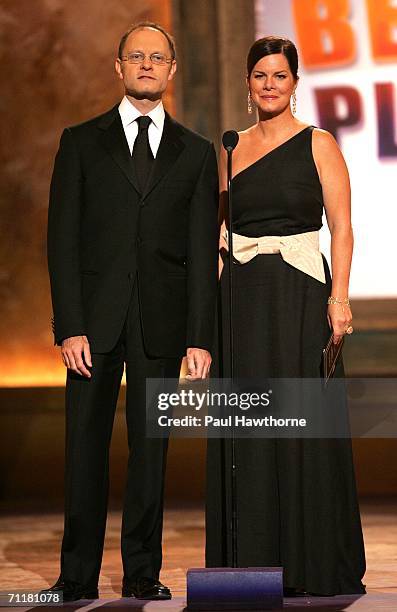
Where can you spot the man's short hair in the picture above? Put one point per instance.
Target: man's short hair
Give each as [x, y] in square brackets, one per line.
[147, 24]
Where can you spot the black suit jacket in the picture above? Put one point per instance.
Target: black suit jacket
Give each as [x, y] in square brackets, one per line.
[102, 233]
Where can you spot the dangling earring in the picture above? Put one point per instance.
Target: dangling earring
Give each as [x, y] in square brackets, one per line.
[249, 104]
[294, 103]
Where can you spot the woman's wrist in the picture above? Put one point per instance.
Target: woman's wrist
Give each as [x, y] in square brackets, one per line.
[339, 290]
[335, 299]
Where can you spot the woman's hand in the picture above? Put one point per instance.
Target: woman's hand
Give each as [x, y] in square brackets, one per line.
[340, 320]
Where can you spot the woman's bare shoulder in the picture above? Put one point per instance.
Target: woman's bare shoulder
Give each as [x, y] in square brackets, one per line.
[325, 148]
[324, 140]
[327, 155]
[248, 132]
[246, 138]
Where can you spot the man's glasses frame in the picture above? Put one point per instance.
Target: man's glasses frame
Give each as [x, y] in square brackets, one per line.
[137, 57]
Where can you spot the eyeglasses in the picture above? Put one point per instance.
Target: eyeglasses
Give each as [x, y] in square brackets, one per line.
[137, 57]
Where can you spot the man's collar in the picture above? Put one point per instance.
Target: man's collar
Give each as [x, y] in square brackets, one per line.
[129, 113]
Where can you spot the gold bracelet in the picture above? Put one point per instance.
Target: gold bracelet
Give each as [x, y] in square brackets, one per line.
[334, 300]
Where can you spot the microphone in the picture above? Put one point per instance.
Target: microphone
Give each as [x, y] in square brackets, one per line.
[230, 140]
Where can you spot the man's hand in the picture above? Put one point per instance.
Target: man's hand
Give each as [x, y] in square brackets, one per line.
[72, 350]
[198, 363]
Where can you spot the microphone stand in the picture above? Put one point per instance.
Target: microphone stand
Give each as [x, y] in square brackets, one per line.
[234, 588]
[234, 524]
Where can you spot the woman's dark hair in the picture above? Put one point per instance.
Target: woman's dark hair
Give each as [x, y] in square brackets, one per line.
[147, 24]
[270, 45]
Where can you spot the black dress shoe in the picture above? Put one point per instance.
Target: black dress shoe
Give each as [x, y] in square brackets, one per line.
[145, 588]
[72, 591]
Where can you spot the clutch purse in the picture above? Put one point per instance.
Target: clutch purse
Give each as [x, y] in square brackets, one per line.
[330, 357]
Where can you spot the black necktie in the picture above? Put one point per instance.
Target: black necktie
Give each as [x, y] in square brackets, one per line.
[142, 157]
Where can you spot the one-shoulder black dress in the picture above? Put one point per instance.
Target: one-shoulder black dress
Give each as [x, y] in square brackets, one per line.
[296, 498]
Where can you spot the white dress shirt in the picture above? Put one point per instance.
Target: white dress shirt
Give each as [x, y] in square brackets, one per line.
[129, 114]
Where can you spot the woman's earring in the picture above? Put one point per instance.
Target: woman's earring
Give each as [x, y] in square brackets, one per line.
[294, 103]
[249, 104]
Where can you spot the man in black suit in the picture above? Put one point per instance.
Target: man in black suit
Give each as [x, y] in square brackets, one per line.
[132, 251]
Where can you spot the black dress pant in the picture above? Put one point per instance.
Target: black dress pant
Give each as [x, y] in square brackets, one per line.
[90, 408]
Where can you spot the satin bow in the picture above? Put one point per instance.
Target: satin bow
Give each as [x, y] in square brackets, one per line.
[299, 250]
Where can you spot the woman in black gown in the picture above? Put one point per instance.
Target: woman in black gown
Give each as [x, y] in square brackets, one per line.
[297, 503]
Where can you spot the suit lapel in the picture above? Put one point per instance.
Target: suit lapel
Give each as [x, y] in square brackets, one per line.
[116, 143]
[169, 150]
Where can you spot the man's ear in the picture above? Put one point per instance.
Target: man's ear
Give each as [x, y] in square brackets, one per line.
[118, 69]
[173, 70]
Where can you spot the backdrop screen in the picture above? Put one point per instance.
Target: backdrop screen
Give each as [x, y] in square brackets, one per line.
[348, 78]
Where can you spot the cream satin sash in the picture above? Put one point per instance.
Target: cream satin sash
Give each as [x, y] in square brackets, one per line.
[299, 250]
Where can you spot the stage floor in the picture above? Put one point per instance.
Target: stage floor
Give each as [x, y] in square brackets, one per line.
[29, 557]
